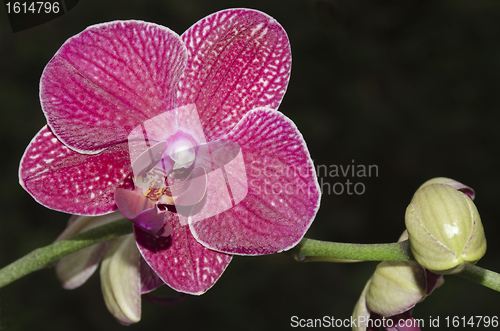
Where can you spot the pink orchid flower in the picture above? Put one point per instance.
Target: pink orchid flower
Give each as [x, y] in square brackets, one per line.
[220, 172]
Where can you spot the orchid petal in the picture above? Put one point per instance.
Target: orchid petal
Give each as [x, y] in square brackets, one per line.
[120, 280]
[283, 192]
[149, 279]
[180, 261]
[108, 79]
[64, 180]
[74, 269]
[239, 59]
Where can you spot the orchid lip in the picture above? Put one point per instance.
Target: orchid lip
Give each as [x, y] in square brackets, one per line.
[142, 212]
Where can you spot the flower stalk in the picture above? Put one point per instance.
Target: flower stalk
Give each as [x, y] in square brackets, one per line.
[308, 250]
[482, 276]
[45, 256]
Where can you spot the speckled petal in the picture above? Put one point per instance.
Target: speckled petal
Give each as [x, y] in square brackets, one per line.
[64, 180]
[180, 261]
[283, 192]
[108, 79]
[239, 59]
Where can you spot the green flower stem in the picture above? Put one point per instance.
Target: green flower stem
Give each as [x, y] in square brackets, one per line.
[44, 256]
[310, 250]
[482, 276]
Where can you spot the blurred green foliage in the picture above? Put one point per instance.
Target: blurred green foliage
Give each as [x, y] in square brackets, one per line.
[408, 86]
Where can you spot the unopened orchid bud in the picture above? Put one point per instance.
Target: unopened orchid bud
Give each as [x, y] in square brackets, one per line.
[467, 190]
[392, 292]
[396, 287]
[444, 228]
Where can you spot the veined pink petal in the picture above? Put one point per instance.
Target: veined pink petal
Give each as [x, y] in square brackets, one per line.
[67, 181]
[283, 192]
[239, 59]
[180, 261]
[149, 279]
[108, 79]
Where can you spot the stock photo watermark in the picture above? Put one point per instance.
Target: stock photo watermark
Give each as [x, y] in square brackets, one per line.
[332, 179]
[388, 322]
[353, 171]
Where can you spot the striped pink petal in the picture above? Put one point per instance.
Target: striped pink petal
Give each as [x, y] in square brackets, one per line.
[283, 192]
[239, 59]
[149, 279]
[75, 183]
[180, 261]
[108, 79]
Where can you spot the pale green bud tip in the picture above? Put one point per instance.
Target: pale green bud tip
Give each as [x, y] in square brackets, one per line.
[467, 190]
[444, 228]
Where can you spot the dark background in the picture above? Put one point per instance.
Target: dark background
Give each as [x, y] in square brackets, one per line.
[410, 87]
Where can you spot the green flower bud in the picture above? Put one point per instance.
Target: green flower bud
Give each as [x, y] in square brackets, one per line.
[396, 287]
[444, 228]
[392, 292]
[453, 183]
